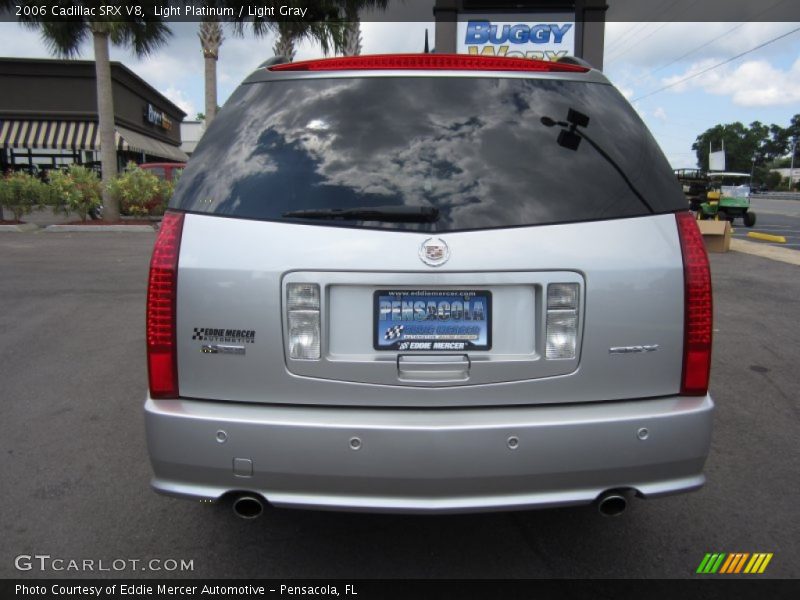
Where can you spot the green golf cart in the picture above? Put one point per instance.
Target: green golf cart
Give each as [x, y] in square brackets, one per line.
[728, 198]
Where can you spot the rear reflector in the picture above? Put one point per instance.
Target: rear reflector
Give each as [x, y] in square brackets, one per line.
[429, 62]
[162, 359]
[698, 308]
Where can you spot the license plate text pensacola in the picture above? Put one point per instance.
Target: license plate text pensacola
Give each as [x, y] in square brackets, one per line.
[432, 320]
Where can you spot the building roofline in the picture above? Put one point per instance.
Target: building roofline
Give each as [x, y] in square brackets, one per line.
[117, 66]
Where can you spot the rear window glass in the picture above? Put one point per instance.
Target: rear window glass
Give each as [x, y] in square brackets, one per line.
[479, 150]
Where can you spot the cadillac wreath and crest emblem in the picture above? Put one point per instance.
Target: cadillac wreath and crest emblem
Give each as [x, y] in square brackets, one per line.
[434, 252]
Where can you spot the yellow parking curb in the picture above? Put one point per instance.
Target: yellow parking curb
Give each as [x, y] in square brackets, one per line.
[766, 237]
[785, 255]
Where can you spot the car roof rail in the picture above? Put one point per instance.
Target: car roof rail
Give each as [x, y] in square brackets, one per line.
[275, 60]
[574, 60]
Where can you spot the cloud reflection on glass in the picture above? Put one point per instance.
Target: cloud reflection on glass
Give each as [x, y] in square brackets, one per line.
[474, 148]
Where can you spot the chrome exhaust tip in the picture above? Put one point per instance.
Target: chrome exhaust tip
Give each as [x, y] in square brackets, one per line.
[248, 507]
[612, 504]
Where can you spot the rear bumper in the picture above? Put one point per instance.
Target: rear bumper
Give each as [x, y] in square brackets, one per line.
[436, 460]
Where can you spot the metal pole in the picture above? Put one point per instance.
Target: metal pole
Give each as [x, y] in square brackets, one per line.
[791, 169]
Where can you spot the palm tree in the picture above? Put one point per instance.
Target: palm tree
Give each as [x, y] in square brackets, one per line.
[351, 44]
[352, 38]
[285, 42]
[64, 38]
[326, 32]
[211, 37]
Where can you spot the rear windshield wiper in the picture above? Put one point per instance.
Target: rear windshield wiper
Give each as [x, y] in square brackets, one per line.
[391, 214]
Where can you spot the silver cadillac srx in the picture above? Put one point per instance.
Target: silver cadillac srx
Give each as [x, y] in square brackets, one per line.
[428, 283]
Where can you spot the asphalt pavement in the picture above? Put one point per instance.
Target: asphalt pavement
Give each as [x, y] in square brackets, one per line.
[75, 471]
[774, 217]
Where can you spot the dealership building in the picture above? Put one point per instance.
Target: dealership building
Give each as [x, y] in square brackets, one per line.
[48, 116]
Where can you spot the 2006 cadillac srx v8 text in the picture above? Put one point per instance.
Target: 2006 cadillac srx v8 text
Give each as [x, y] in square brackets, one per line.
[428, 283]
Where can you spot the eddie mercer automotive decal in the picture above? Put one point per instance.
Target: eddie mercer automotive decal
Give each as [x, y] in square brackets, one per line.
[228, 336]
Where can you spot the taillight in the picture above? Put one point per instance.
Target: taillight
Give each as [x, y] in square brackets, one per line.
[303, 308]
[424, 62]
[562, 321]
[698, 309]
[162, 356]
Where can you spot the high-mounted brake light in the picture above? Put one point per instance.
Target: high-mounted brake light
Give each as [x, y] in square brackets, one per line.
[430, 62]
[162, 356]
[698, 308]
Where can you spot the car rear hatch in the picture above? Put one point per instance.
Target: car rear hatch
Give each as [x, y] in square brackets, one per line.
[518, 247]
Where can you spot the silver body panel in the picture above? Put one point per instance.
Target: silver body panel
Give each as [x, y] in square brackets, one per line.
[436, 460]
[232, 273]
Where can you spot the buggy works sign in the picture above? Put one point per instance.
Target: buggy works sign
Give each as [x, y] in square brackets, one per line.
[517, 36]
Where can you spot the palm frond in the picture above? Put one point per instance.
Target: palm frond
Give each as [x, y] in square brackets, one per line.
[352, 8]
[142, 36]
[65, 37]
[62, 38]
[327, 29]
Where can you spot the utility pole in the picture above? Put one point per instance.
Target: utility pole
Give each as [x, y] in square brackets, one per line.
[791, 169]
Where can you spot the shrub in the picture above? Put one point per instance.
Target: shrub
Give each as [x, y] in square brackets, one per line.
[77, 189]
[21, 192]
[139, 192]
[168, 188]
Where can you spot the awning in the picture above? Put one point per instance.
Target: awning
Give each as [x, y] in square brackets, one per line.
[130, 140]
[64, 135]
[80, 135]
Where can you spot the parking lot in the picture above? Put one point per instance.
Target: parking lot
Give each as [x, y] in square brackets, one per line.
[774, 217]
[75, 468]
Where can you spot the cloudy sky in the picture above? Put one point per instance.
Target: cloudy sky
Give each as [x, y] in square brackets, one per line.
[763, 85]
[640, 58]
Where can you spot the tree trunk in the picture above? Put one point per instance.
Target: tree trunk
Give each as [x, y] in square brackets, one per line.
[284, 46]
[211, 88]
[210, 34]
[352, 37]
[105, 113]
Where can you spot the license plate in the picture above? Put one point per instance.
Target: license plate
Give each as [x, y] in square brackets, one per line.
[432, 320]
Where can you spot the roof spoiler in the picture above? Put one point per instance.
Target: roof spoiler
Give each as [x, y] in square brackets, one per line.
[275, 60]
[574, 60]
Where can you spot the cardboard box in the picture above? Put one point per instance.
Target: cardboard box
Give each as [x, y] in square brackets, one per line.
[716, 235]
